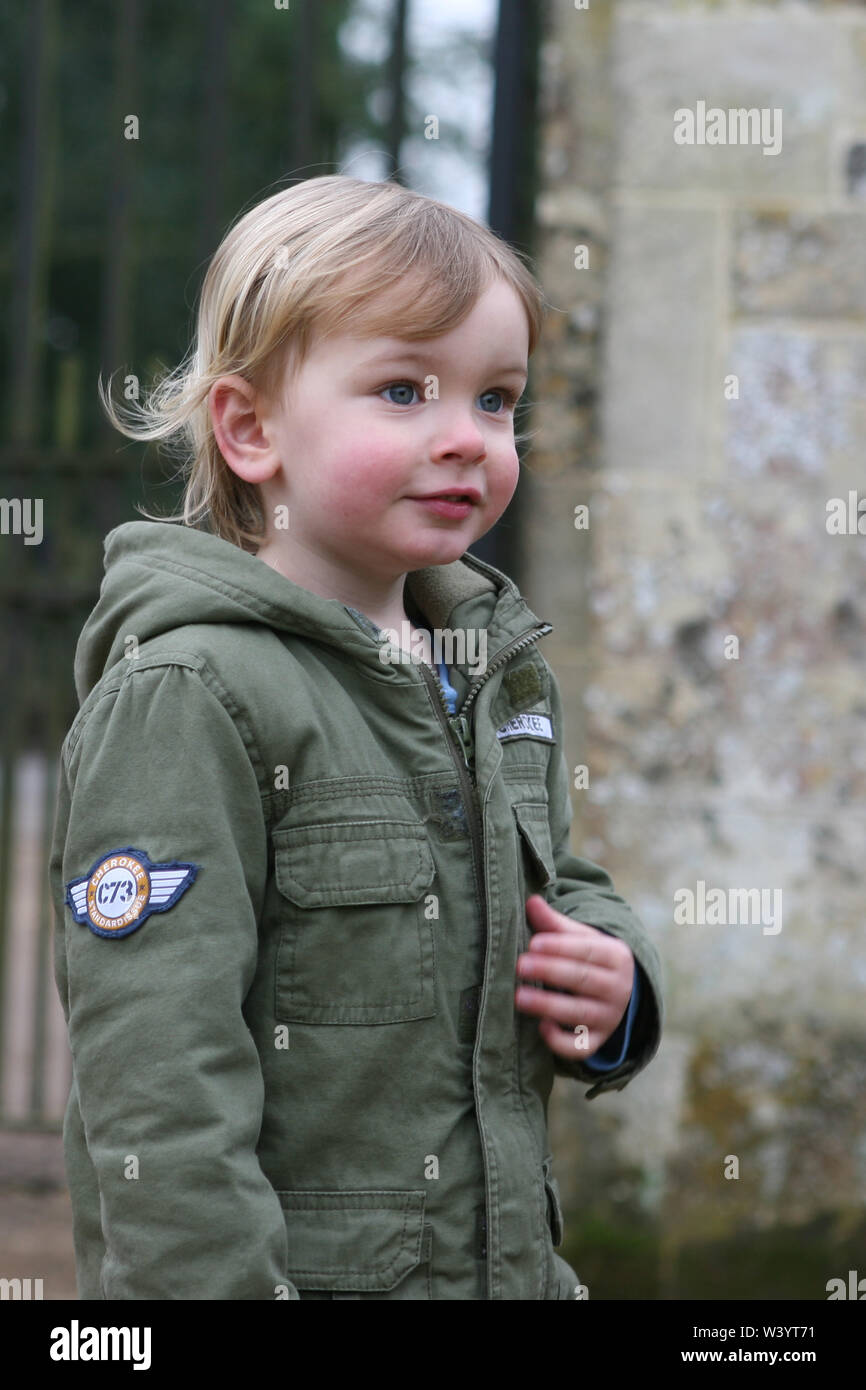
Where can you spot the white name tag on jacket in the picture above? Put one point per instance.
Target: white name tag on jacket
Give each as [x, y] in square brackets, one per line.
[527, 726]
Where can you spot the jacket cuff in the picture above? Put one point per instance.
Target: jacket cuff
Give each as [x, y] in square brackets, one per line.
[644, 1024]
[613, 1052]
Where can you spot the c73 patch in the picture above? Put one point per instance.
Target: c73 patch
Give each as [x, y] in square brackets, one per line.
[123, 888]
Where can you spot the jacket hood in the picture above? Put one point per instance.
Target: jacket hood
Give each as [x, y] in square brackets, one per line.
[164, 575]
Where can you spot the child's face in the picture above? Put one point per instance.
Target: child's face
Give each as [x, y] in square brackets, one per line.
[359, 442]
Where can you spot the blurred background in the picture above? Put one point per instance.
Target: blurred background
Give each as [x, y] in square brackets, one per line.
[699, 391]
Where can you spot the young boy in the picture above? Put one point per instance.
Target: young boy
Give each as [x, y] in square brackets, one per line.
[322, 944]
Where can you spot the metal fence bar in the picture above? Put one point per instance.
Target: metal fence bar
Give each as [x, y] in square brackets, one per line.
[43, 1058]
[36, 177]
[118, 268]
[36, 1063]
[5, 871]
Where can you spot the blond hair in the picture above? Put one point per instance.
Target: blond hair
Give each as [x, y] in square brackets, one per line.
[324, 255]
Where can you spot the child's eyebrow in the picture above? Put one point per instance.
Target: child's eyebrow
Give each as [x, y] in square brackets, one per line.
[419, 355]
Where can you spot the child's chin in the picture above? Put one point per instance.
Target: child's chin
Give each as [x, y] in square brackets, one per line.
[441, 541]
[441, 550]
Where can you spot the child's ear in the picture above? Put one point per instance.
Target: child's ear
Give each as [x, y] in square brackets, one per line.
[236, 411]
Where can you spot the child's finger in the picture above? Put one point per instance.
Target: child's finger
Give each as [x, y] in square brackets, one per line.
[580, 977]
[595, 949]
[568, 1009]
[549, 918]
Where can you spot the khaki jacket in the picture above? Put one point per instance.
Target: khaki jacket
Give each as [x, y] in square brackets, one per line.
[290, 893]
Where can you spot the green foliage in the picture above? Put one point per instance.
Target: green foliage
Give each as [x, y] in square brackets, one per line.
[212, 141]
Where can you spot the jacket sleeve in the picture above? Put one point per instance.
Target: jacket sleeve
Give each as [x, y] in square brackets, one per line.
[168, 1076]
[584, 890]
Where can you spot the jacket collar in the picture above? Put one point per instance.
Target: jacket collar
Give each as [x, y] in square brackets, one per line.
[160, 576]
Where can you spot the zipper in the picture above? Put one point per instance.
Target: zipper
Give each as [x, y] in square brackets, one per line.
[459, 723]
[461, 729]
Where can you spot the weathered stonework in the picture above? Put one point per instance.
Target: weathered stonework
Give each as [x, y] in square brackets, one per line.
[702, 387]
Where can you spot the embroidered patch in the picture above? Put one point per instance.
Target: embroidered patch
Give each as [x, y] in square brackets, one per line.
[527, 726]
[123, 888]
[522, 683]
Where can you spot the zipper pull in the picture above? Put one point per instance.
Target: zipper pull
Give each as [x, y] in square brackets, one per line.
[463, 733]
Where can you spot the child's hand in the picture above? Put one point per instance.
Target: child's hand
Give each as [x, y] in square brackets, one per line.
[592, 973]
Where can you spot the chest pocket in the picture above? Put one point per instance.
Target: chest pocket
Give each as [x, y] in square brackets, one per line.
[355, 943]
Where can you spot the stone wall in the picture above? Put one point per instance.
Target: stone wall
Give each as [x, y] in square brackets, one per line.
[701, 386]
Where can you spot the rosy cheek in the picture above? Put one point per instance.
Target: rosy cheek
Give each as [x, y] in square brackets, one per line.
[363, 481]
[379, 469]
[507, 477]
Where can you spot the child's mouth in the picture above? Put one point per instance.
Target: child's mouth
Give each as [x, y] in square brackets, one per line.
[442, 506]
[452, 505]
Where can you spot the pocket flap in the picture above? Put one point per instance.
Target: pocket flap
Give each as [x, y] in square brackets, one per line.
[352, 1240]
[353, 862]
[532, 818]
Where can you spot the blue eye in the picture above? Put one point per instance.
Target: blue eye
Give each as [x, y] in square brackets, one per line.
[400, 386]
[507, 398]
